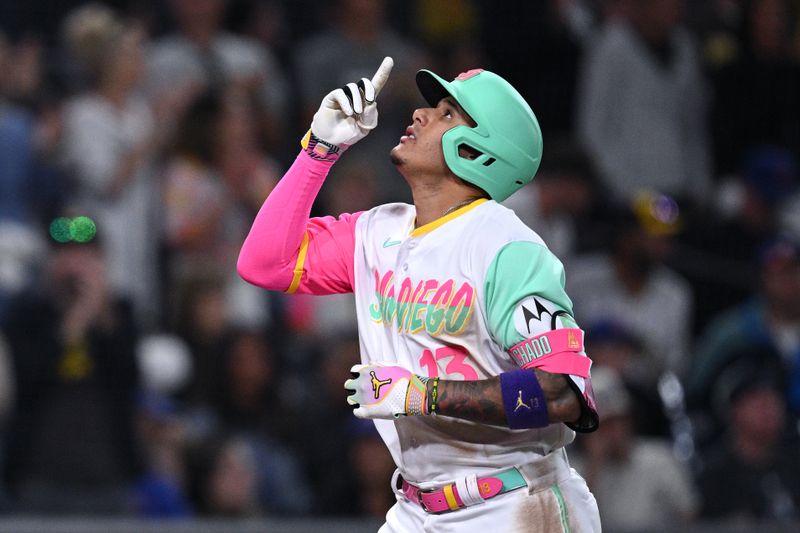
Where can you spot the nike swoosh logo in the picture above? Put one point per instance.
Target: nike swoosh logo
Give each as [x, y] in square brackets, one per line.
[387, 243]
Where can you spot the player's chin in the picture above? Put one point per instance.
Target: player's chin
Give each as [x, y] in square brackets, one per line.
[396, 157]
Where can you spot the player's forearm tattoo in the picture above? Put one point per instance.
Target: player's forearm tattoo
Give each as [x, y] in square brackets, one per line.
[479, 401]
[482, 400]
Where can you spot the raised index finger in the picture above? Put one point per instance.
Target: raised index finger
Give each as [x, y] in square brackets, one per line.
[382, 74]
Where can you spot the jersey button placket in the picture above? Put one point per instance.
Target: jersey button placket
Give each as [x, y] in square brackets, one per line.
[408, 246]
[402, 257]
[412, 243]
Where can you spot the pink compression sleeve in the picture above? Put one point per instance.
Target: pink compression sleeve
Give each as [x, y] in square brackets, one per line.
[286, 251]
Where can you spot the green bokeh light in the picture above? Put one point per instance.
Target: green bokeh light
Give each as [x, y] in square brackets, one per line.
[60, 229]
[82, 229]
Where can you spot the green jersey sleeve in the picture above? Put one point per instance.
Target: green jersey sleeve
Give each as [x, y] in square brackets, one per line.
[524, 298]
[525, 294]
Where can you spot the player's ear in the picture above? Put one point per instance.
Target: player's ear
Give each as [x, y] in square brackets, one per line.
[468, 152]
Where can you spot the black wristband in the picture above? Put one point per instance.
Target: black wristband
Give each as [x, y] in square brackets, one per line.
[433, 399]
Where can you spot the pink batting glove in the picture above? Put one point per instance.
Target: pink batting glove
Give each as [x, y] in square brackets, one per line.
[384, 391]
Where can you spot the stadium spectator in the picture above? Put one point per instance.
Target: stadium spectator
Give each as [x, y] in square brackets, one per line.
[372, 464]
[558, 202]
[753, 475]
[642, 105]
[201, 54]
[239, 475]
[163, 427]
[551, 36]
[110, 139]
[31, 188]
[71, 445]
[719, 253]
[761, 84]
[249, 397]
[638, 482]
[346, 472]
[715, 24]
[199, 320]
[766, 328]
[213, 172]
[22, 194]
[224, 479]
[632, 286]
[612, 345]
[161, 491]
[451, 32]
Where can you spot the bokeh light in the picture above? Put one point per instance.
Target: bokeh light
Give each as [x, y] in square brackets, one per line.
[82, 229]
[79, 229]
[60, 230]
[665, 209]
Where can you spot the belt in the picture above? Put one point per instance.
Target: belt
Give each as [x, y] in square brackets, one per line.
[464, 492]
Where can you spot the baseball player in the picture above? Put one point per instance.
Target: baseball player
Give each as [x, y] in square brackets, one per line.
[472, 365]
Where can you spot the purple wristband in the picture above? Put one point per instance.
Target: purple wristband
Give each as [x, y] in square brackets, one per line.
[523, 400]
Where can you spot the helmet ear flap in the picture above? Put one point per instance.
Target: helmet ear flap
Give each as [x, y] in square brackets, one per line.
[490, 171]
[466, 157]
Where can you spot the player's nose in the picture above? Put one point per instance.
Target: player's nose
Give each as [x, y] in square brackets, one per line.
[420, 115]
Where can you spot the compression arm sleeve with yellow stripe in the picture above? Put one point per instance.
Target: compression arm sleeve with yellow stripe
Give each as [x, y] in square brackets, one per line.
[286, 250]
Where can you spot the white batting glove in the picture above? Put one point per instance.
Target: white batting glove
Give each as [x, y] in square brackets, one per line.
[348, 114]
[382, 391]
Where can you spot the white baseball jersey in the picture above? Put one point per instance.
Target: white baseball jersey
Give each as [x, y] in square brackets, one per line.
[456, 298]
[449, 299]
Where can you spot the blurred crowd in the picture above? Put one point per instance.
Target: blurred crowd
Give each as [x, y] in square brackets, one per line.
[139, 376]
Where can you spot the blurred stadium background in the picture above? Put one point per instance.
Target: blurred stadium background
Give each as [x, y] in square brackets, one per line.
[144, 387]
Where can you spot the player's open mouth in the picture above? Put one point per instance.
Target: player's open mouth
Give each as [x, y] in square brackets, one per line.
[409, 135]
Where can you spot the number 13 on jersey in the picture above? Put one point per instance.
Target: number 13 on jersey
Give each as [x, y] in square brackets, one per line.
[455, 365]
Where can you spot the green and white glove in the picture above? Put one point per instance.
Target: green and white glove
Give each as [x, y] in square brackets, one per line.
[383, 391]
[347, 114]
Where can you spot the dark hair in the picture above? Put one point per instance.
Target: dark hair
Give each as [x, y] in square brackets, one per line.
[751, 366]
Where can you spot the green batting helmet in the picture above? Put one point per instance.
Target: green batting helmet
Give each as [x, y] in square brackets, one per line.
[507, 134]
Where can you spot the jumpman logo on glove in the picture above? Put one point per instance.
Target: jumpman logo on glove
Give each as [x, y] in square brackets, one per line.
[377, 384]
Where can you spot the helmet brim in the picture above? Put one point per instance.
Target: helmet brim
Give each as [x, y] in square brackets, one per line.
[434, 88]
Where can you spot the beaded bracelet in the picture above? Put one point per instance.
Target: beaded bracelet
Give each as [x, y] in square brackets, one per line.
[434, 397]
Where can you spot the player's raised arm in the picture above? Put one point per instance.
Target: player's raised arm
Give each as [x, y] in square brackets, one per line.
[286, 251]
